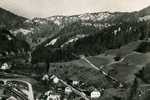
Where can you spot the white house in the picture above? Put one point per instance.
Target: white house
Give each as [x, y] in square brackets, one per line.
[45, 77]
[68, 90]
[55, 80]
[53, 97]
[5, 66]
[95, 94]
[75, 82]
[48, 93]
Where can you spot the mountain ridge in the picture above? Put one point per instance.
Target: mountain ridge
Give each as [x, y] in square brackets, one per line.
[15, 21]
[67, 30]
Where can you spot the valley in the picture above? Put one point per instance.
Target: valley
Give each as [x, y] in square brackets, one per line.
[71, 57]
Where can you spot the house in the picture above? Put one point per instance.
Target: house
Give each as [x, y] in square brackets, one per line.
[75, 83]
[55, 80]
[95, 94]
[54, 97]
[5, 66]
[68, 90]
[45, 77]
[48, 92]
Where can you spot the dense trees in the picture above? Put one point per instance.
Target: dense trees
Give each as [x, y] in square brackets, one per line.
[9, 43]
[96, 42]
[144, 47]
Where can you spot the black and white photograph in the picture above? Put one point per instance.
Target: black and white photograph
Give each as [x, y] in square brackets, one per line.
[74, 49]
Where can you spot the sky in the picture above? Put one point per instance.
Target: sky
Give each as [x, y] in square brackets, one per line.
[46, 8]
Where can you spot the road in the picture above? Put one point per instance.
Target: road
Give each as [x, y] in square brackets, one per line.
[83, 95]
[100, 70]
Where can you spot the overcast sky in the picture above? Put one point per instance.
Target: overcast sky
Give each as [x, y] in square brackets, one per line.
[46, 8]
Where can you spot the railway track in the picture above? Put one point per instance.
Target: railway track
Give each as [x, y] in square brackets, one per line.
[17, 91]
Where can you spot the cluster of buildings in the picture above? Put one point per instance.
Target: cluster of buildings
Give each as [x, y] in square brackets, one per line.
[67, 90]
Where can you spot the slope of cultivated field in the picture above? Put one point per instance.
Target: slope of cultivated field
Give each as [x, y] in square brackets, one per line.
[124, 69]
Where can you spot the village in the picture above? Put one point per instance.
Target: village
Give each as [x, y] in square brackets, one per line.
[58, 89]
[74, 89]
[74, 50]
